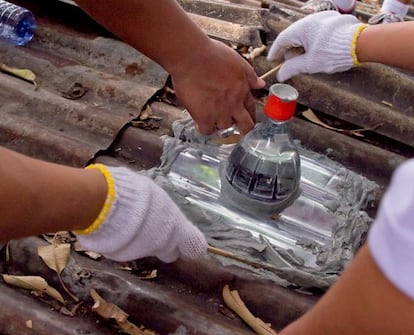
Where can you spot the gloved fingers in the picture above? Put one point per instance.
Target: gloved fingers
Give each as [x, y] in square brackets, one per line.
[288, 42]
[190, 243]
[168, 256]
[300, 33]
[193, 243]
[281, 45]
[292, 67]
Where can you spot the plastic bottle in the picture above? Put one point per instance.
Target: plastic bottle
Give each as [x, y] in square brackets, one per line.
[263, 170]
[17, 24]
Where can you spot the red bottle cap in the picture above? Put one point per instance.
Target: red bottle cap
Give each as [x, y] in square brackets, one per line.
[281, 102]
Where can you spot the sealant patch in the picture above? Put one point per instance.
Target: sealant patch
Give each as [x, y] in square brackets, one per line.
[308, 244]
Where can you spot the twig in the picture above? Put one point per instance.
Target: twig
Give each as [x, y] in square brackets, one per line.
[247, 261]
[270, 72]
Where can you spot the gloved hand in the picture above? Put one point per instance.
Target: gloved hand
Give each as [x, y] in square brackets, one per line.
[328, 39]
[139, 219]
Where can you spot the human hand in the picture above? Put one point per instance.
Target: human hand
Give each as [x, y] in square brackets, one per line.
[141, 221]
[215, 88]
[328, 39]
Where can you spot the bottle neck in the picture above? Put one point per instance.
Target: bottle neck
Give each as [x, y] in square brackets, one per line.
[271, 127]
[274, 122]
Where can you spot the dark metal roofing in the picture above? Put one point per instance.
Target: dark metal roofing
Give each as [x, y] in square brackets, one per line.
[91, 86]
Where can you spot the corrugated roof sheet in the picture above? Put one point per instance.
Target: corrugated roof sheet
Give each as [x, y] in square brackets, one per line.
[91, 86]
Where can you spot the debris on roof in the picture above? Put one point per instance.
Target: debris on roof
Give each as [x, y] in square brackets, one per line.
[94, 104]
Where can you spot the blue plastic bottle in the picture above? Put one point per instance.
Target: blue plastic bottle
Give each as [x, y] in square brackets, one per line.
[17, 24]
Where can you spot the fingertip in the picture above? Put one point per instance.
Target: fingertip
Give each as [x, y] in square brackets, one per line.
[272, 53]
[280, 78]
[288, 70]
[245, 123]
[195, 245]
[204, 129]
[260, 83]
[255, 82]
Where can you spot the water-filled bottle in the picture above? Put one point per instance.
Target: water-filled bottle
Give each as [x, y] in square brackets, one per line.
[17, 24]
[263, 169]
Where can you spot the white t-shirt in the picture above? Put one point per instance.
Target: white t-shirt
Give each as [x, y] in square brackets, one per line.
[391, 238]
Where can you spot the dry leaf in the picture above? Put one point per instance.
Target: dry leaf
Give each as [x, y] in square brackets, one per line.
[24, 74]
[152, 275]
[131, 329]
[310, 115]
[55, 256]
[29, 324]
[110, 311]
[77, 247]
[60, 237]
[146, 113]
[125, 268]
[93, 255]
[107, 310]
[236, 304]
[35, 283]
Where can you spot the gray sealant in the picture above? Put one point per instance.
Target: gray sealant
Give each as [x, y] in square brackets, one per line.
[306, 260]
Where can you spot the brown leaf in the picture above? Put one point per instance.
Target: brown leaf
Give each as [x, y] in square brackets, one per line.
[55, 256]
[110, 311]
[310, 115]
[107, 310]
[151, 275]
[146, 113]
[236, 304]
[35, 283]
[29, 324]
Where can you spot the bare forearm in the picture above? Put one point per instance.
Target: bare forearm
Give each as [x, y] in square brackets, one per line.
[391, 44]
[38, 197]
[211, 81]
[362, 302]
[162, 31]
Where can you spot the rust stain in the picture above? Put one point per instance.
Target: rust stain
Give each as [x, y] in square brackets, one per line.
[134, 69]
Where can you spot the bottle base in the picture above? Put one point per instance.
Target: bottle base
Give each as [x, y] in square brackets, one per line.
[249, 205]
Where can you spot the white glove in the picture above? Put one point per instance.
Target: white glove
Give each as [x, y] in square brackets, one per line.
[391, 238]
[328, 38]
[141, 221]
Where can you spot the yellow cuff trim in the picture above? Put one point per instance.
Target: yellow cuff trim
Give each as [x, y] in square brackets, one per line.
[110, 197]
[357, 32]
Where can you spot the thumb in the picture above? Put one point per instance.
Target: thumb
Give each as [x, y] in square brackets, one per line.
[254, 81]
[291, 68]
[256, 84]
